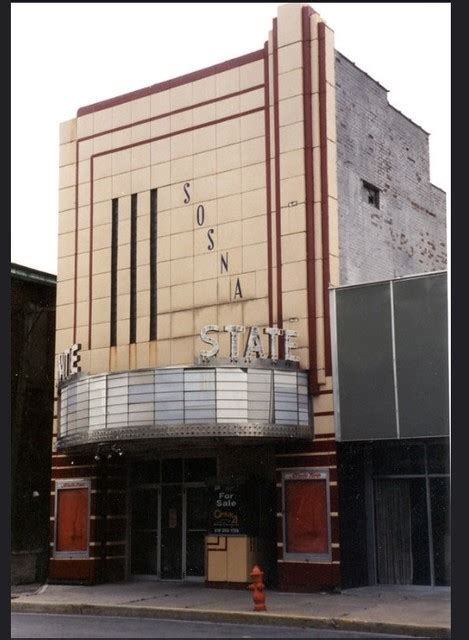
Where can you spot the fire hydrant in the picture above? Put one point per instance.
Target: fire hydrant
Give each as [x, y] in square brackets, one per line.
[258, 589]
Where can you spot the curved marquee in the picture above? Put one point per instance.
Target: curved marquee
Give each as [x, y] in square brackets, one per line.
[184, 403]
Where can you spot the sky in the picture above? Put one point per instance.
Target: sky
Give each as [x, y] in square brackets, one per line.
[68, 55]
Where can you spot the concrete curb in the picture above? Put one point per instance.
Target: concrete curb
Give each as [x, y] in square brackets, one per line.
[246, 617]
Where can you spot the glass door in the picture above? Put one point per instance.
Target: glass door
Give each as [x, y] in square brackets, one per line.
[144, 531]
[169, 517]
[440, 509]
[196, 506]
[402, 531]
[171, 532]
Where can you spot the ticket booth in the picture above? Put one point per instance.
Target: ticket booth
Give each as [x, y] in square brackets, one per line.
[232, 542]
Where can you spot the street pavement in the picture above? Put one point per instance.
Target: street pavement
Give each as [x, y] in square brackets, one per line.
[44, 625]
[397, 610]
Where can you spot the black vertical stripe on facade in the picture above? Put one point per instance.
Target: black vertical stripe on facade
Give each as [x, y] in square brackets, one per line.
[153, 261]
[133, 269]
[114, 245]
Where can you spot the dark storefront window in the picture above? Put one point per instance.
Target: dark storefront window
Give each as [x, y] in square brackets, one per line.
[440, 505]
[412, 528]
[146, 472]
[438, 458]
[403, 459]
[171, 470]
[199, 469]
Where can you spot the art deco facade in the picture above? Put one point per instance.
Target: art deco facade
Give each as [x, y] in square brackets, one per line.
[227, 201]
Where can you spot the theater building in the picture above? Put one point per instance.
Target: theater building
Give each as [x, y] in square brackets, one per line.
[203, 221]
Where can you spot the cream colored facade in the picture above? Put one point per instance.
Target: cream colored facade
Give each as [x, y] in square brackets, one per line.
[212, 143]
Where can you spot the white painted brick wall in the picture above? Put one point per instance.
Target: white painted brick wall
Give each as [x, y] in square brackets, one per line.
[378, 144]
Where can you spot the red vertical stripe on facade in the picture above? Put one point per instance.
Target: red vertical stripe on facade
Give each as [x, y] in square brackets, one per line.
[75, 274]
[309, 184]
[278, 209]
[324, 193]
[268, 178]
[90, 295]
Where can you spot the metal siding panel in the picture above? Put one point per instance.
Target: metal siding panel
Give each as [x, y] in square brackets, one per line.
[121, 409]
[142, 406]
[141, 378]
[141, 417]
[141, 388]
[175, 417]
[365, 363]
[233, 395]
[259, 415]
[141, 397]
[421, 329]
[169, 396]
[259, 395]
[171, 376]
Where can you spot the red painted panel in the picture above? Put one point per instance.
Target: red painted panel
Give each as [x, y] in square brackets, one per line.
[306, 516]
[72, 519]
[73, 472]
[72, 570]
[72, 461]
[308, 577]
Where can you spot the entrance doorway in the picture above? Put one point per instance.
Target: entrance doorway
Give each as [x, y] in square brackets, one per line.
[169, 518]
[411, 508]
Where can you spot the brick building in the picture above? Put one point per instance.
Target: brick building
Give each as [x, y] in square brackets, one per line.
[202, 223]
[32, 397]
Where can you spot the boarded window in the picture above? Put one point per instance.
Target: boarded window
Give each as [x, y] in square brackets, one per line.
[72, 520]
[307, 518]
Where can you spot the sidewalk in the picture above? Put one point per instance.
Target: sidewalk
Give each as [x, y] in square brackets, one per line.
[406, 610]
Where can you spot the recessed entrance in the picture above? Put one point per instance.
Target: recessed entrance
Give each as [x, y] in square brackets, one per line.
[170, 503]
[411, 505]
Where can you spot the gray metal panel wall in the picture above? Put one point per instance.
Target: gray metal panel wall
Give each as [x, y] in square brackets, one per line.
[421, 326]
[365, 363]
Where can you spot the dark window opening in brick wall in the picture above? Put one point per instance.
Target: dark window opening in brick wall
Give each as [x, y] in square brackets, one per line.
[371, 194]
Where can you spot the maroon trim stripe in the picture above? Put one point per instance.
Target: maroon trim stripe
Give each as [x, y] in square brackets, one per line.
[90, 281]
[75, 274]
[278, 210]
[268, 178]
[309, 184]
[324, 413]
[137, 144]
[115, 129]
[173, 113]
[324, 193]
[180, 132]
[174, 82]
